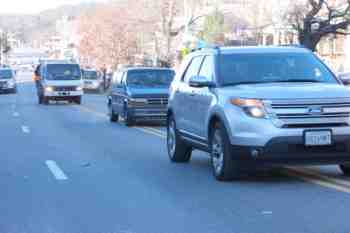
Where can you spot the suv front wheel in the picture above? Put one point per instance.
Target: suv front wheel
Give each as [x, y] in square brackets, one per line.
[225, 168]
[178, 150]
[345, 168]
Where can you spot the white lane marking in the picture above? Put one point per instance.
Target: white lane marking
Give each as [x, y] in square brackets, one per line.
[56, 170]
[266, 212]
[16, 114]
[25, 129]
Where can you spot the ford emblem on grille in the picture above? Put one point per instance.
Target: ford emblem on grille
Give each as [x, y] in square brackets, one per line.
[316, 110]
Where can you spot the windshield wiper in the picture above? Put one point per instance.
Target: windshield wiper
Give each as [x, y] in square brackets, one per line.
[243, 83]
[296, 81]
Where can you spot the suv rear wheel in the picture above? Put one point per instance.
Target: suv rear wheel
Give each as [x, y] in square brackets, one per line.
[345, 168]
[225, 168]
[178, 150]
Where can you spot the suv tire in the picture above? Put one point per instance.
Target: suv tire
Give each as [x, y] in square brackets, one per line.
[345, 168]
[225, 168]
[178, 150]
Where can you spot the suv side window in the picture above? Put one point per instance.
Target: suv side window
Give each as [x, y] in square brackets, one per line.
[207, 69]
[193, 68]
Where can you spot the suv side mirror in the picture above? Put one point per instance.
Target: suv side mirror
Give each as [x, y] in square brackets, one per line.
[200, 81]
[345, 80]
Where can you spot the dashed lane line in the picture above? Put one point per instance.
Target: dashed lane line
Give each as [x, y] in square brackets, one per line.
[25, 129]
[56, 170]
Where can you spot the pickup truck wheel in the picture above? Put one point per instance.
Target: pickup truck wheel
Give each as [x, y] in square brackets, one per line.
[178, 150]
[225, 168]
[345, 168]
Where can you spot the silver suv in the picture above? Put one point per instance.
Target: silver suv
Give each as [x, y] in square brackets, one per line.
[257, 106]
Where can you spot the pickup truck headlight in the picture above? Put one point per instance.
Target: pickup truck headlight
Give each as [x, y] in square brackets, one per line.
[49, 89]
[252, 107]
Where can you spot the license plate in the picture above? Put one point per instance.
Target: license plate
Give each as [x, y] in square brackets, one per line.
[318, 138]
[64, 93]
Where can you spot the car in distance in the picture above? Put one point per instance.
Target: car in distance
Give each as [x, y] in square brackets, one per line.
[254, 106]
[140, 94]
[92, 80]
[7, 81]
[59, 80]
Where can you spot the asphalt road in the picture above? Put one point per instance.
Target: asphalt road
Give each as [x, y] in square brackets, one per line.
[66, 169]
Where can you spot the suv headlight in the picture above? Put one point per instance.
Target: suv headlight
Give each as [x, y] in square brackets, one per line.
[252, 107]
[49, 89]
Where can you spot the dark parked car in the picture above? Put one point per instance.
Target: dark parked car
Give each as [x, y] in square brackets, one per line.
[140, 94]
[7, 81]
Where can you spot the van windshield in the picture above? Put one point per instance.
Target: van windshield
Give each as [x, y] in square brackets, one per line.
[238, 69]
[90, 75]
[6, 74]
[150, 78]
[63, 72]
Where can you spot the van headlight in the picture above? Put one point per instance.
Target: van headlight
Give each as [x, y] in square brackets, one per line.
[252, 107]
[10, 84]
[79, 88]
[49, 89]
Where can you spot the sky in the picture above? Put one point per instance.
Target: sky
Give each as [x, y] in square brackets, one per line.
[34, 6]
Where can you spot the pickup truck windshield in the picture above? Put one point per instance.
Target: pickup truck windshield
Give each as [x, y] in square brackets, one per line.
[63, 72]
[90, 75]
[238, 69]
[150, 78]
[6, 74]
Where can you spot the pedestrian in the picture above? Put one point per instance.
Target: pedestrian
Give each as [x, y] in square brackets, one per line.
[104, 77]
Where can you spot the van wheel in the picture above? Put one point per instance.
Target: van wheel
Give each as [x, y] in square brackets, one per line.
[345, 168]
[178, 150]
[40, 99]
[78, 100]
[45, 100]
[225, 168]
[129, 120]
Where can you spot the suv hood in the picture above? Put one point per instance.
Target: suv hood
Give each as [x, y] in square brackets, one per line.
[148, 92]
[287, 91]
[63, 83]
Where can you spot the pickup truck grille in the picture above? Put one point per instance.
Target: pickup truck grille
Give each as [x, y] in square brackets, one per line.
[309, 113]
[65, 88]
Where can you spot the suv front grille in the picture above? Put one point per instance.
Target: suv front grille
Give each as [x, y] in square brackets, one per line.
[309, 113]
[65, 88]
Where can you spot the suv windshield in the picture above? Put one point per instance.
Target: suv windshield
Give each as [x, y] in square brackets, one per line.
[238, 69]
[63, 72]
[150, 78]
[91, 75]
[6, 74]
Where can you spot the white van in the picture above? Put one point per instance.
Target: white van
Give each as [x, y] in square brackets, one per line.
[59, 80]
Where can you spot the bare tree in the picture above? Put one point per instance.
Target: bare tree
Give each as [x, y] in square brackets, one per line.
[317, 19]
